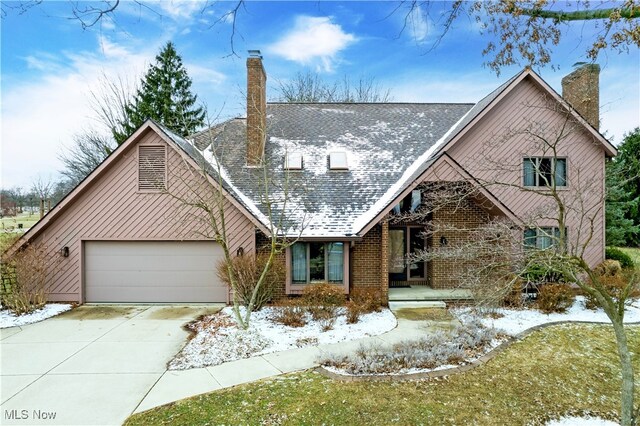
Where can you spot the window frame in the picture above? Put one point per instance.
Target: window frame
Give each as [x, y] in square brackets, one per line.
[293, 287]
[538, 180]
[541, 233]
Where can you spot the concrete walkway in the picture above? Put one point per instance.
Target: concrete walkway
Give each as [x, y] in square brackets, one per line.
[96, 365]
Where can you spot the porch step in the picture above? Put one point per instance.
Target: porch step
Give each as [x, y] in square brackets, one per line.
[426, 294]
[394, 306]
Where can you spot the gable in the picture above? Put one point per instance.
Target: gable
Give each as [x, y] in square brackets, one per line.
[113, 200]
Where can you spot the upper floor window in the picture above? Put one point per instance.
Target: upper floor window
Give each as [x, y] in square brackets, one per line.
[410, 203]
[545, 171]
[152, 168]
[338, 160]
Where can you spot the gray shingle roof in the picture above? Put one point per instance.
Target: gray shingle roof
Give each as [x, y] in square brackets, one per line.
[388, 146]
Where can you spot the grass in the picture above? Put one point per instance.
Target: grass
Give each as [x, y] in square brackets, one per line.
[27, 221]
[556, 371]
[424, 314]
[634, 253]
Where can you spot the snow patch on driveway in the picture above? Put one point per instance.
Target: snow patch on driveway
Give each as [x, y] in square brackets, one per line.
[9, 319]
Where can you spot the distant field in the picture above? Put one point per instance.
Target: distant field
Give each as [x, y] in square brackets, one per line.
[27, 221]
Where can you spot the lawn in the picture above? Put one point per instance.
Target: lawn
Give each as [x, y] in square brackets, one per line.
[556, 371]
[634, 253]
[27, 220]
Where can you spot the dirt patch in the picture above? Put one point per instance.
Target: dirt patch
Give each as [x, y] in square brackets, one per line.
[424, 314]
[181, 312]
[100, 312]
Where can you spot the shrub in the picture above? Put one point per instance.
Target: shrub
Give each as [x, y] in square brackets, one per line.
[24, 277]
[436, 349]
[354, 311]
[614, 286]
[541, 273]
[324, 294]
[614, 253]
[608, 267]
[555, 297]
[367, 299]
[514, 297]
[291, 313]
[247, 270]
[322, 301]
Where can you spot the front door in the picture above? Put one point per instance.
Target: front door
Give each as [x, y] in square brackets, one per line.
[403, 241]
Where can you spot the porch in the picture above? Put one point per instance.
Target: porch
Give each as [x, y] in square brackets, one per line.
[424, 293]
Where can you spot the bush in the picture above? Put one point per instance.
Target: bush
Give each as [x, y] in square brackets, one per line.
[614, 286]
[24, 276]
[354, 311]
[555, 297]
[291, 313]
[514, 297]
[436, 349]
[247, 270]
[367, 299]
[614, 253]
[608, 267]
[541, 273]
[322, 301]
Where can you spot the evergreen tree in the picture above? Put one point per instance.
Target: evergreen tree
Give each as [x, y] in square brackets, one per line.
[623, 199]
[165, 96]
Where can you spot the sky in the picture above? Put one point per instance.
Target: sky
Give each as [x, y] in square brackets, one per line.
[50, 64]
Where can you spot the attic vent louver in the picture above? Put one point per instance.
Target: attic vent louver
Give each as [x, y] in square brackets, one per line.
[152, 170]
[338, 161]
[293, 161]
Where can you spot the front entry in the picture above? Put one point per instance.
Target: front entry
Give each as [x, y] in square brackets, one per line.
[404, 242]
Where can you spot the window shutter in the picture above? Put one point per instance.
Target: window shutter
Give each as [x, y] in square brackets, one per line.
[152, 168]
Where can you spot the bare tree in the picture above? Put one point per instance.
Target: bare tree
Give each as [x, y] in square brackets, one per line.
[310, 87]
[89, 150]
[201, 192]
[559, 232]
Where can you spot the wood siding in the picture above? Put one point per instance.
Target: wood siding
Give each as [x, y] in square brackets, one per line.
[486, 154]
[111, 208]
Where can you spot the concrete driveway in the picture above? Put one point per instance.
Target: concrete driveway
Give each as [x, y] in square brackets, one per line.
[90, 366]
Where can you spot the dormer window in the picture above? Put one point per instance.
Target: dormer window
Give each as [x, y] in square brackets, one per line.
[293, 161]
[338, 161]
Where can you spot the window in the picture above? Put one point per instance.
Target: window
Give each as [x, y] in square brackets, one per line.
[543, 171]
[293, 161]
[152, 171]
[317, 262]
[410, 203]
[542, 238]
[338, 161]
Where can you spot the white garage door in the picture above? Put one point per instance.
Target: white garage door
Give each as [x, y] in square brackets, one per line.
[152, 272]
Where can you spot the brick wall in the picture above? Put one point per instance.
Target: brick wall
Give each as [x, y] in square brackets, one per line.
[581, 90]
[263, 246]
[256, 110]
[369, 260]
[468, 215]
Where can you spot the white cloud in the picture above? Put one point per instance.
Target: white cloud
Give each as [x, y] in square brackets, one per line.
[418, 24]
[180, 9]
[313, 40]
[40, 115]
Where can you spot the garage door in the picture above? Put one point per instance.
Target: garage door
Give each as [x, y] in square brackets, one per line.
[152, 272]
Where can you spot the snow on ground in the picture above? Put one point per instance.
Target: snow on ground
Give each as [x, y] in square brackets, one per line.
[581, 421]
[218, 339]
[515, 321]
[8, 319]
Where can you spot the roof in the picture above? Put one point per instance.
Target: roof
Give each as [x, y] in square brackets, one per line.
[381, 141]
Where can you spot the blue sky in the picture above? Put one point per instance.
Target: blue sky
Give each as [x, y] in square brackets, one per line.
[50, 65]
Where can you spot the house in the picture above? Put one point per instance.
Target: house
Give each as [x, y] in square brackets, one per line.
[125, 234]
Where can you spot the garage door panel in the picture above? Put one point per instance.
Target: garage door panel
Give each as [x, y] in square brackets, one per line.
[150, 263]
[152, 272]
[169, 295]
[151, 278]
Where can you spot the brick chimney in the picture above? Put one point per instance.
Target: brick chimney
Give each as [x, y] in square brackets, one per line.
[582, 90]
[256, 108]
